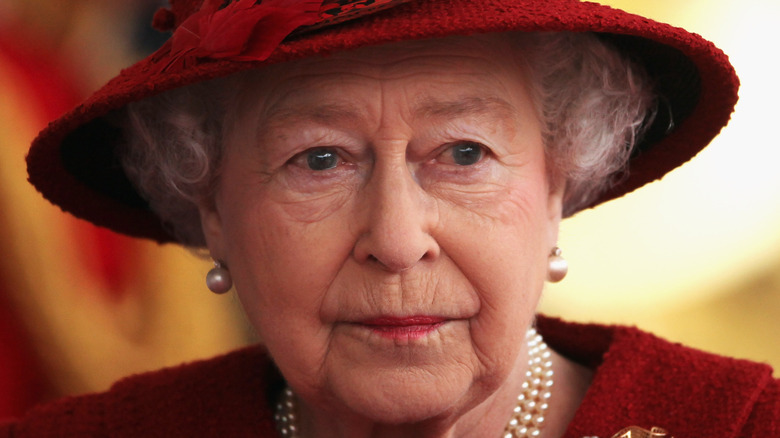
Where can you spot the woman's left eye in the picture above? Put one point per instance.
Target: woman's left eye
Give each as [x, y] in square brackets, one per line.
[320, 159]
[464, 153]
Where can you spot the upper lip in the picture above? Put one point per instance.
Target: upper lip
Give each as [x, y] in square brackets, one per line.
[401, 321]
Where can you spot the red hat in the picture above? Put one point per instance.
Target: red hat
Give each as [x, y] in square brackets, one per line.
[72, 161]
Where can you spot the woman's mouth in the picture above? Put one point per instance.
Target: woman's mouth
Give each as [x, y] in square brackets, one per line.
[403, 328]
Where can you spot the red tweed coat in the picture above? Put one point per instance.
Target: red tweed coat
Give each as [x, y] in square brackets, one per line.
[640, 380]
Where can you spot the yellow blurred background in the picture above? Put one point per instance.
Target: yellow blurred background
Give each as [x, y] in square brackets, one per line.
[694, 258]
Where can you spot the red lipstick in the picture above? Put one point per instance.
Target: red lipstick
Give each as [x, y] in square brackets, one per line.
[409, 327]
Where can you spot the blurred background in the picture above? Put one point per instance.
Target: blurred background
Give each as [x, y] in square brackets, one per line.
[694, 258]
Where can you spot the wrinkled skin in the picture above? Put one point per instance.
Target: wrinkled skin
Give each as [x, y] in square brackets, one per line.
[405, 180]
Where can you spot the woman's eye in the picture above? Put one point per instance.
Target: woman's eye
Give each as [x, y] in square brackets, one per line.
[322, 159]
[464, 153]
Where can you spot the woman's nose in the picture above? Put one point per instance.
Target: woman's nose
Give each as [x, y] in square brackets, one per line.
[398, 218]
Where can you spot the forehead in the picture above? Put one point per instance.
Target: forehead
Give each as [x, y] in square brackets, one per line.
[479, 71]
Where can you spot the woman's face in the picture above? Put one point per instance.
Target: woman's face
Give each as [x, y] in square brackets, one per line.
[386, 216]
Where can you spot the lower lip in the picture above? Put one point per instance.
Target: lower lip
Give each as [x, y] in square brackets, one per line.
[404, 328]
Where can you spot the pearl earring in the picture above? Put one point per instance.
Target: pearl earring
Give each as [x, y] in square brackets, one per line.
[218, 279]
[557, 266]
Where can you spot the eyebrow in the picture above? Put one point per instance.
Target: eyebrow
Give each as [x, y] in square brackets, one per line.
[466, 106]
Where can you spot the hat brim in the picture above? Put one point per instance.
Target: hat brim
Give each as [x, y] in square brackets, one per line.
[72, 162]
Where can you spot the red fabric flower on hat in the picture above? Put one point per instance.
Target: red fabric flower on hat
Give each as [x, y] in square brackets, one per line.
[244, 30]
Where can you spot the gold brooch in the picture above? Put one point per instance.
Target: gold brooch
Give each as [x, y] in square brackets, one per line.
[638, 432]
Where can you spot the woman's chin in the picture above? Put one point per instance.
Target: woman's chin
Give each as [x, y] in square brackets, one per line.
[403, 396]
[403, 407]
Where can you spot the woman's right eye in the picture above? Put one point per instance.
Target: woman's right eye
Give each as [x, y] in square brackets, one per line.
[320, 159]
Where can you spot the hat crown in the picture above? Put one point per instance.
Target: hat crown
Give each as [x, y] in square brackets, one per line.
[168, 19]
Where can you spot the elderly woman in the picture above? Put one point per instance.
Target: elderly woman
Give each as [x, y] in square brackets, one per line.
[382, 182]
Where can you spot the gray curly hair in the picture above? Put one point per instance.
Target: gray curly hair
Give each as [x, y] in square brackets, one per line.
[593, 103]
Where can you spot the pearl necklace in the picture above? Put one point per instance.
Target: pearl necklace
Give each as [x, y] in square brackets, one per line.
[527, 418]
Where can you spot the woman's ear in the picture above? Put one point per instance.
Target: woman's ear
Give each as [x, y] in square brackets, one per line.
[211, 224]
